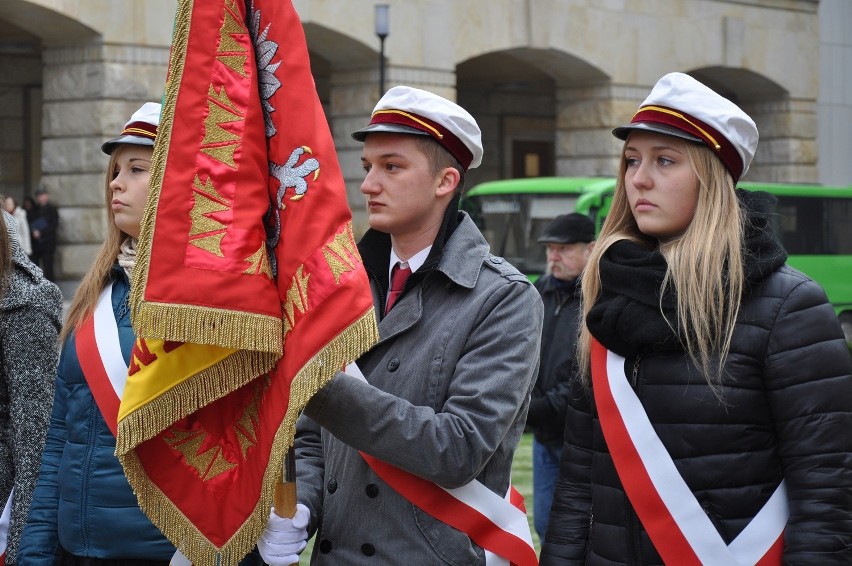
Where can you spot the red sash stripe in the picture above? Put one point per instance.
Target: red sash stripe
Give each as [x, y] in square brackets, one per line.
[655, 517]
[441, 505]
[677, 525]
[98, 328]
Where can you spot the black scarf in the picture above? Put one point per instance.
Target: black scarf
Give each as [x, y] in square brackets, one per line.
[626, 318]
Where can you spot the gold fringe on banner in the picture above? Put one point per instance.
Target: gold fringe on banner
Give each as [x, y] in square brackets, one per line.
[348, 345]
[181, 323]
[218, 327]
[160, 157]
[190, 395]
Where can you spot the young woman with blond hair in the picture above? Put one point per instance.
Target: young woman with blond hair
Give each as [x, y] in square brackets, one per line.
[712, 423]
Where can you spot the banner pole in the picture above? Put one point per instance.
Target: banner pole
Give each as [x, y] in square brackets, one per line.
[285, 490]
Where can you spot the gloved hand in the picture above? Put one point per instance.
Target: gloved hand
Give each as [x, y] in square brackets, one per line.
[283, 539]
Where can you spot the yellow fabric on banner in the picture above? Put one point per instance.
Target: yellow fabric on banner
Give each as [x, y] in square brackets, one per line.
[178, 364]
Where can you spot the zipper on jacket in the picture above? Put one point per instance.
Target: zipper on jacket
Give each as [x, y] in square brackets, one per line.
[634, 376]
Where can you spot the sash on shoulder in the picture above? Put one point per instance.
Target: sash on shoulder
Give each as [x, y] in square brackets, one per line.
[99, 354]
[498, 525]
[674, 520]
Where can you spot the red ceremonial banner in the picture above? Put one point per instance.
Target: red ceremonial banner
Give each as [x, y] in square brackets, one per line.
[248, 292]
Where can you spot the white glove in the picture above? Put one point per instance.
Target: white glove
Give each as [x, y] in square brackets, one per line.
[283, 539]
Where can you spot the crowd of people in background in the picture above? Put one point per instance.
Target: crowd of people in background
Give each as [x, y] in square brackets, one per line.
[37, 225]
[690, 398]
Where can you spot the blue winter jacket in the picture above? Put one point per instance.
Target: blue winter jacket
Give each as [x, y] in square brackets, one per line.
[82, 499]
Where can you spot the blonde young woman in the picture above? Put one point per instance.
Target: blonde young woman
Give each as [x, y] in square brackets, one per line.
[712, 426]
[83, 510]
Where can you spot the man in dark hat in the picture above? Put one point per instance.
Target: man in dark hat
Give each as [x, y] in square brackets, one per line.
[44, 227]
[568, 239]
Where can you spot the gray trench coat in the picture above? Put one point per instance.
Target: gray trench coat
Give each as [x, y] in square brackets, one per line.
[446, 399]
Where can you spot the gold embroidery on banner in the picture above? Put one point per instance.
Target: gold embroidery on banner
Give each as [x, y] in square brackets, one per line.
[212, 462]
[207, 201]
[295, 299]
[230, 52]
[219, 143]
[259, 263]
[248, 425]
[209, 463]
[340, 253]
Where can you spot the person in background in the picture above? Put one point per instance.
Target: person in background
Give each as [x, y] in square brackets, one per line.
[44, 226]
[440, 402]
[23, 225]
[712, 426]
[568, 242]
[30, 318]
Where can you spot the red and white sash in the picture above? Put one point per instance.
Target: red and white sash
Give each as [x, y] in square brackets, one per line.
[5, 522]
[99, 354]
[498, 525]
[674, 520]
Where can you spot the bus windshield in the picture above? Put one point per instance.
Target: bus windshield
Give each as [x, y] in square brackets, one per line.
[513, 213]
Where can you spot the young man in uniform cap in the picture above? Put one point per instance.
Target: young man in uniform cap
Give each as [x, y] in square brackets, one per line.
[441, 401]
[568, 241]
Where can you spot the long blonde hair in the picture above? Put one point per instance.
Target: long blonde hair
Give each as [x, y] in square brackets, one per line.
[704, 265]
[98, 275]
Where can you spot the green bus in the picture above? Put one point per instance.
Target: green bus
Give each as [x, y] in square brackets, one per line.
[813, 222]
[512, 213]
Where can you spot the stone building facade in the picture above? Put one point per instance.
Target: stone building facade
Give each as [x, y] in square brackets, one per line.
[546, 79]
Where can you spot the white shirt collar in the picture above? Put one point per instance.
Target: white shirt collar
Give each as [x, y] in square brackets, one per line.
[414, 262]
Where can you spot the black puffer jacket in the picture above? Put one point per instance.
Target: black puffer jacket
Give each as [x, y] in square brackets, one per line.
[787, 413]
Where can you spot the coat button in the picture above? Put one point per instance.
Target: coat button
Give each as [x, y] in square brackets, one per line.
[325, 546]
[393, 365]
[368, 549]
[332, 486]
[372, 490]
[496, 260]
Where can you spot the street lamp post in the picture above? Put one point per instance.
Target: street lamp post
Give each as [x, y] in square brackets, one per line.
[382, 30]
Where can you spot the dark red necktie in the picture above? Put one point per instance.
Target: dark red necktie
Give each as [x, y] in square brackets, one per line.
[399, 275]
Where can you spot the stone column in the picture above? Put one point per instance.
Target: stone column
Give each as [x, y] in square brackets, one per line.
[586, 116]
[787, 150]
[90, 91]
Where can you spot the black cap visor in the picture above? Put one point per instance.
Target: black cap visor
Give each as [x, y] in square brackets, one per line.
[109, 146]
[387, 128]
[624, 131]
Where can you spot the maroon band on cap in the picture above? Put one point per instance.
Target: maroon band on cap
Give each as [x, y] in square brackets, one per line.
[716, 141]
[141, 129]
[440, 134]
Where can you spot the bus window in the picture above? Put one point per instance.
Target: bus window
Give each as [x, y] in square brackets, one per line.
[512, 213]
[814, 226]
[512, 223]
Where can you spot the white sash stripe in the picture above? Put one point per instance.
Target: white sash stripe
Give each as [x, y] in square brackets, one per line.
[498, 510]
[756, 539]
[502, 513]
[697, 528]
[109, 346]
